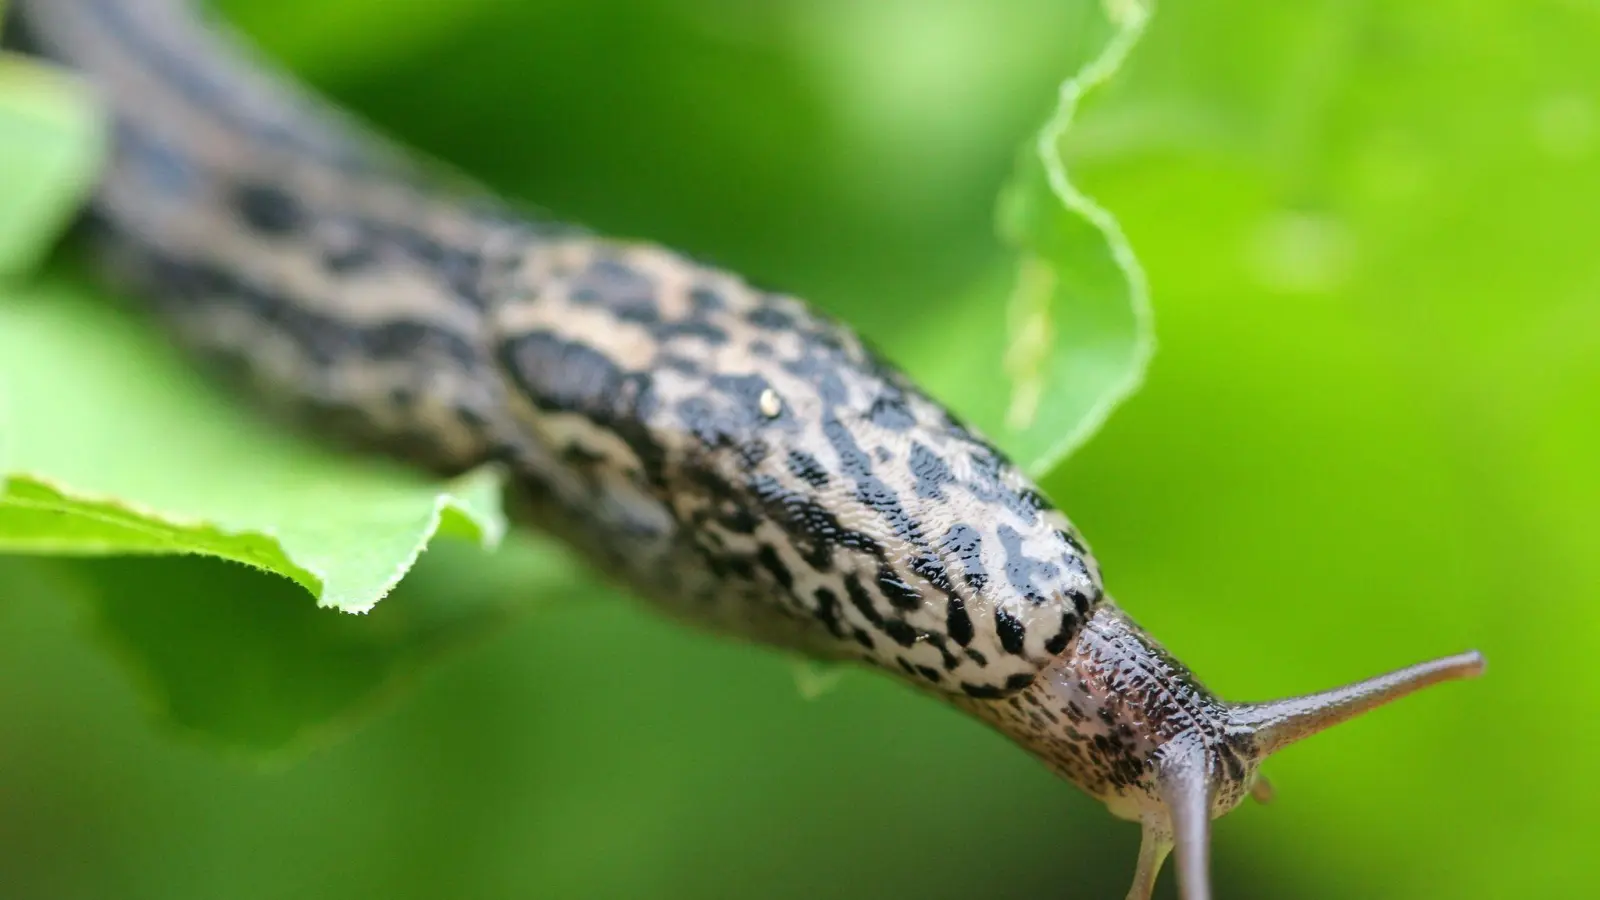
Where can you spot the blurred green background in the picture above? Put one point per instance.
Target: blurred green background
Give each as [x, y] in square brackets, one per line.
[1369, 436]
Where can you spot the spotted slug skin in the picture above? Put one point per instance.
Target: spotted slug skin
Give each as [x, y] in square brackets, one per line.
[742, 460]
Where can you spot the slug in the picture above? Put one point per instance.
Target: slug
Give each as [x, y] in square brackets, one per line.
[743, 462]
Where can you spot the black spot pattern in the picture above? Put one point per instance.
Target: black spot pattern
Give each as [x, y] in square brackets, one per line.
[562, 375]
[808, 468]
[1012, 634]
[889, 411]
[958, 622]
[930, 471]
[901, 596]
[269, 210]
[1026, 574]
[622, 385]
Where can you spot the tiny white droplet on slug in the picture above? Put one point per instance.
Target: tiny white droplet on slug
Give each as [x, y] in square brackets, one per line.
[770, 403]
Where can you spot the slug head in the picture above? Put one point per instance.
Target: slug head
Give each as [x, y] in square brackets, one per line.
[1122, 719]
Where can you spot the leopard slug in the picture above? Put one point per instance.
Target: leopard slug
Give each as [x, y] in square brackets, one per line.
[742, 461]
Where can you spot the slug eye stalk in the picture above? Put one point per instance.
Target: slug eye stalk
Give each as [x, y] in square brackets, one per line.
[1190, 777]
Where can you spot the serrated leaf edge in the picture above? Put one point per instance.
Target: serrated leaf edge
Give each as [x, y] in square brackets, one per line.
[1130, 18]
[164, 527]
[489, 533]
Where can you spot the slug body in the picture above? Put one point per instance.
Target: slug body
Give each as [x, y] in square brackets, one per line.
[742, 461]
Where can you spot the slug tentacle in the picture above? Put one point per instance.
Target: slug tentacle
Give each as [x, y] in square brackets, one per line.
[1186, 787]
[1278, 723]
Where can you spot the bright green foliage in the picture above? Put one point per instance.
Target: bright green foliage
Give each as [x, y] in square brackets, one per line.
[50, 144]
[111, 445]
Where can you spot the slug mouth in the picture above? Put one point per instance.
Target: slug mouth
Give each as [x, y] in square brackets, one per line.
[1193, 786]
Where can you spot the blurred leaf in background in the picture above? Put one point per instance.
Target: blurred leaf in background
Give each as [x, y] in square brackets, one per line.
[50, 145]
[1368, 439]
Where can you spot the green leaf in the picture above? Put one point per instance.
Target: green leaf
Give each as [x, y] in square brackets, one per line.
[109, 443]
[111, 447]
[242, 663]
[323, 40]
[1075, 336]
[51, 143]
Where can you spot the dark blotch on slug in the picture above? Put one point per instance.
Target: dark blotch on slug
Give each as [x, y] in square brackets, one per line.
[737, 518]
[877, 496]
[809, 523]
[1073, 541]
[1058, 642]
[957, 622]
[562, 376]
[827, 610]
[862, 601]
[808, 468]
[681, 364]
[268, 210]
[745, 392]
[769, 318]
[706, 300]
[901, 596]
[988, 485]
[981, 691]
[350, 258]
[855, 463]
[403, 397]
[1022, 569]
[963, 544]
[1011, 631]
[695, 328]
[931, 568]
[931, 472]
[900, 632]
[769, 560]
[619, 287]
[408, 340]
[890, 412]
[729, 416]
[1019, 681]
[581, 457]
